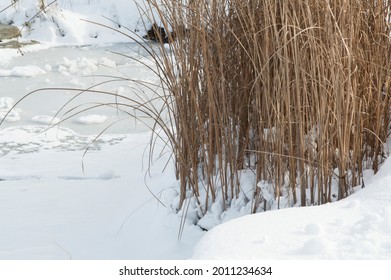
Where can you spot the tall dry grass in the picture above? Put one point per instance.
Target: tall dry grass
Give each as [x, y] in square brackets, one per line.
[298, 91]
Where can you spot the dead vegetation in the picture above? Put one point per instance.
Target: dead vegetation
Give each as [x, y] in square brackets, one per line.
[297, 91]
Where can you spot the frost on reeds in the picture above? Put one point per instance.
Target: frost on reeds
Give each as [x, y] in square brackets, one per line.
[296, 91]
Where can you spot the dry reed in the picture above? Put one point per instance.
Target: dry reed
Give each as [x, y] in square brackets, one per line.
[298, 91]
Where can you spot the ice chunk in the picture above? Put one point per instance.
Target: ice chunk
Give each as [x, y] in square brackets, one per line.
[92, 119]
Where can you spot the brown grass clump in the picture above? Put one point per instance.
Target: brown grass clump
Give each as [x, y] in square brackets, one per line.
[298, 91]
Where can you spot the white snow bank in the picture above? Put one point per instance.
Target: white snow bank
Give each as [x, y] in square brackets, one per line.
[76, 22]
[358, 227]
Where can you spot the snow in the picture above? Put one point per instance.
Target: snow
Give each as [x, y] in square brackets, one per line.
[76, 22]
[8, 114]
[54, 209]
[358, 227]
[44, 119]
[92, 119]
[67, 194]
[78, 67]
[22, 71]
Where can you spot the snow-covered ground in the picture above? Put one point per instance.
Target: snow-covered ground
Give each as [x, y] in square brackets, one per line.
[358, 227]
[58, 202]
[75, 22]
[50, 208]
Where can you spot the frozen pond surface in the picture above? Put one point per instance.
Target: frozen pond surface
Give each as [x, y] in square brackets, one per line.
[94, 67]
[60, 201]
